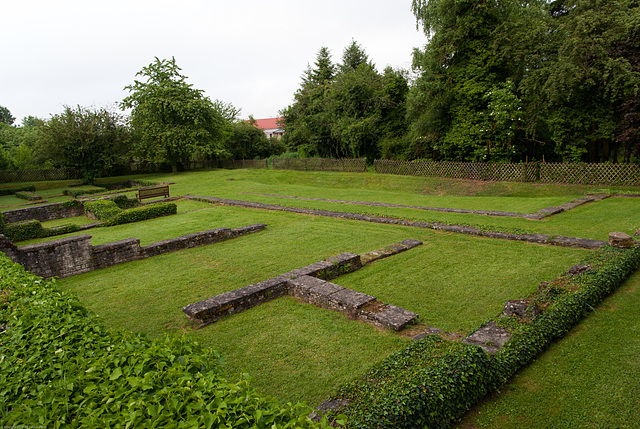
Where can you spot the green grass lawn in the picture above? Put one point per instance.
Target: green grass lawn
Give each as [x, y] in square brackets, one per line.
[589, 379]
[296, 351]
[449, 292]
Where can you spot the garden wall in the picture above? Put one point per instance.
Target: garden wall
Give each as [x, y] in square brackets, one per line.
[43, 212]
[75, 255]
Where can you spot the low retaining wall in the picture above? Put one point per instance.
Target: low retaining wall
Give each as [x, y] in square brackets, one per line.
[75, 255]
[310, 285]
[43, 213]
[553, 240]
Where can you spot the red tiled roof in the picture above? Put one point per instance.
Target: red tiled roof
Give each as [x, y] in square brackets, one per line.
[268, 123]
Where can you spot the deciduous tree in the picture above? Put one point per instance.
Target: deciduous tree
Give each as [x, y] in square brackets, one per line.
[91, 140]
[173, 121]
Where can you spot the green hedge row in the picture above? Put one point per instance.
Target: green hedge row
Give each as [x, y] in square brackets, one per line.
[11, 191]
[434, 382]
[34, 229]
[29, 196]
[142, 213]
[125, 202]
[76, 192]
[60, 368]
[102, 210]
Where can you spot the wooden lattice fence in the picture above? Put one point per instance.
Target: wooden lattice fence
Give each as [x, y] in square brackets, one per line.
[20, 176]
[357, 165]
[230, 164]
[460, 170]
[591, 174]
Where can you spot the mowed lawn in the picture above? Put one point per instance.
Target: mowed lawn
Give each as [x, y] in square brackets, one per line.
[295, 351]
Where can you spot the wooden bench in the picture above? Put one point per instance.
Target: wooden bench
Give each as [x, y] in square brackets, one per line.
[153, 192]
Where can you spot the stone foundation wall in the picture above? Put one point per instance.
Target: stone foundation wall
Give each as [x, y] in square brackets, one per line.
[75, 255]
[310, 285]
[43, 213]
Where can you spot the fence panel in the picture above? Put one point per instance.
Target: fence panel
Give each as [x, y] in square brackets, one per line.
[348, 165]
[584, 174]
[591, 174]
[20, 176]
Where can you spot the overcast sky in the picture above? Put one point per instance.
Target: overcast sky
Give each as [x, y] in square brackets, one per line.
[246, 52]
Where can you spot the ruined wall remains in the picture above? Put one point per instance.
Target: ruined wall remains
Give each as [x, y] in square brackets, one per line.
[75, 255]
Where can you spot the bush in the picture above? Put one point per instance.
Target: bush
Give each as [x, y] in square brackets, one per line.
[60, 368]
[102, 210]
[434, 382]
[11, 191]
[124, 202]
[33, 229]
[29, 196]
[143, 213]
[76, 192]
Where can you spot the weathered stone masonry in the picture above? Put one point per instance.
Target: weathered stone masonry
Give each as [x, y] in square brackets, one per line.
[310, 285]
[43, 213]
[75, 255]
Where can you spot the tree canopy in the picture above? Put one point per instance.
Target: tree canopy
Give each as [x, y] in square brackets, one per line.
[173, 121]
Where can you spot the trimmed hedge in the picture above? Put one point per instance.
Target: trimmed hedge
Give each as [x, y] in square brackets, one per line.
[29, 196]
[60, 368]
[11, 191]
[33, 229]
[75, 193]
[125, 202]
[434, 382]
[102, 210]
[142, 213]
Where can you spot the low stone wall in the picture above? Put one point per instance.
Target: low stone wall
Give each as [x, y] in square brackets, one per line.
[75, 255]
[310, 285]
[548, 239]
[43, 213]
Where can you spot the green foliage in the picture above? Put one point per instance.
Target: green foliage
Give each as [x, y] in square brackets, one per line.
[33, 229]
[610, 267]
[249, 142]
[346, 114]
[75, 192]
[513, 80]
[102, 210]
[91, 140]
[124, 202]
[25, 188]
[29, 196]
[5, 116]
[428, 384]
[433, 382]
[60, 368]
[173, 121]
[142, 213]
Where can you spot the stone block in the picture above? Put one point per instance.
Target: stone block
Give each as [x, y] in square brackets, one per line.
[314, 290]
[621, 239]
[490, 337]
[351, 299]
[521, 308]
[392, 317]
[579, 269]
[410, 243]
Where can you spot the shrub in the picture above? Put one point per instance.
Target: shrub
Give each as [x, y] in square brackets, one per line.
[33, 229]
[102, 210]
[143, 213]
[124, 202]
[76, 192]
[11, 191]
[29, 196]
[433, 382]
[60, 368]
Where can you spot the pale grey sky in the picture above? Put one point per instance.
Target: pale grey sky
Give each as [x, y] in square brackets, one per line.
[246, 52]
